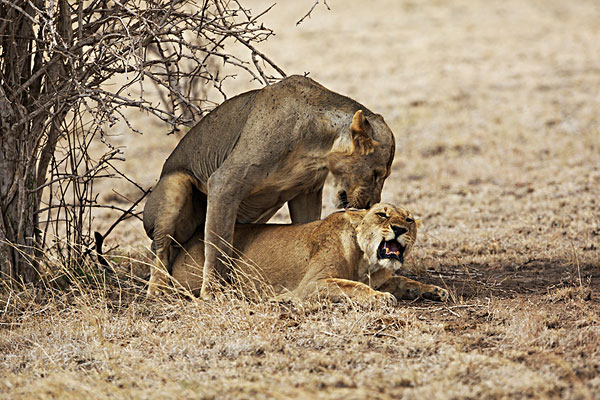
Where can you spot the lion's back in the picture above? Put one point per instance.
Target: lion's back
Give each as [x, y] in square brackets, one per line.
[277, 254]
[281, 251]
[204, 148]
[281, 105]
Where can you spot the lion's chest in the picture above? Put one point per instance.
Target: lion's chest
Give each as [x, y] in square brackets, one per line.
[356, 263]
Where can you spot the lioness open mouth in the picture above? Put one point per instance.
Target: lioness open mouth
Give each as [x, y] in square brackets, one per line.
[391, 249]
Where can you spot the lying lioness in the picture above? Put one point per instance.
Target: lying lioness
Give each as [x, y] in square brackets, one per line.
[352, 254]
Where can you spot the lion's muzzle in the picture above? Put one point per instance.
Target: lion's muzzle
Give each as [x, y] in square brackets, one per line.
[391, 249]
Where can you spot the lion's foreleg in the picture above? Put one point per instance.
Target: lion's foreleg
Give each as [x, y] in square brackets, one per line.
[223, 203]
[377, 278]
[408, 289]
[338, 289]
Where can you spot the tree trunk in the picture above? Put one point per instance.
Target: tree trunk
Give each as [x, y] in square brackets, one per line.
[19, 135]
[19, 208]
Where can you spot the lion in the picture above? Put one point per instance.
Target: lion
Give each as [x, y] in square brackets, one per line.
[351, 254]
[255, 152]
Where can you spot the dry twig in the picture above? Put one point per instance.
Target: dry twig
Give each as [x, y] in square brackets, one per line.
[308, 14]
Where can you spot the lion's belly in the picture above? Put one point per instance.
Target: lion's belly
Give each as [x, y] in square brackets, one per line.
[275, 191]
[258, 209]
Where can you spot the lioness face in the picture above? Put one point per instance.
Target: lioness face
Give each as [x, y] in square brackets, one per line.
[386, 235]
[358, 176]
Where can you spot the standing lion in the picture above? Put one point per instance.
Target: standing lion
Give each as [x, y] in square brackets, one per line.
[255, 152]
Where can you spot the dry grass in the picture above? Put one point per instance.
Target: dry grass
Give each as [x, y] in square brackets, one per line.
[104, 340]
[495, 109]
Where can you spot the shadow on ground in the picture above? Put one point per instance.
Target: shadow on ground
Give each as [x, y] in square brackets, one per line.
[535, 276]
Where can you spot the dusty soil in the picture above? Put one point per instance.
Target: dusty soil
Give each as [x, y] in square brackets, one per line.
[495, 107]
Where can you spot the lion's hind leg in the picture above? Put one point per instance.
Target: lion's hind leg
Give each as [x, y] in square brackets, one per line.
[408, 289]
[174, 210]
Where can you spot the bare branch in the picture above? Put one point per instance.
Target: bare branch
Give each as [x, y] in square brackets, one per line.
[57, 58]
[308, 14]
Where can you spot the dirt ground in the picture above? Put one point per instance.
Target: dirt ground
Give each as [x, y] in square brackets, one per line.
[496, 110]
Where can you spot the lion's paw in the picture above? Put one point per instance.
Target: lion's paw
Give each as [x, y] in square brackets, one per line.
[436, 293]
[154, 291]
[158, 287]
[387, 299]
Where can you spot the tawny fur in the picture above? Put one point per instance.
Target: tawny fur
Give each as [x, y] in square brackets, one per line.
[335, 257]
[254, 153]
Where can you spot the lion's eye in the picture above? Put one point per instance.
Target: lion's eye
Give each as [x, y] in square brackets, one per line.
[382, 215]
[409, 220]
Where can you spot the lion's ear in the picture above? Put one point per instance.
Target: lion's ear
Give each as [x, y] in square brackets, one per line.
[361, 140]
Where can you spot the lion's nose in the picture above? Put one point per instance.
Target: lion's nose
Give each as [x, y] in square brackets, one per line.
[398, 230]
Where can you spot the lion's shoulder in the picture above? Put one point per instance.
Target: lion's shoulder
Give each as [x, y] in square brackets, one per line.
[300, 81]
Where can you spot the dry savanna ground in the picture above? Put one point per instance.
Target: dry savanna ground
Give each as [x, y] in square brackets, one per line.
[496, 110]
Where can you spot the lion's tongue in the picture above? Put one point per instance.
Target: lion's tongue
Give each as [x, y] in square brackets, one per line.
[391, 246]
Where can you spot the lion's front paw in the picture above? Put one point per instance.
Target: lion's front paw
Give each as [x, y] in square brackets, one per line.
[435, 293]
[158, 285]
[155, 291]
[207, 294]
[387, 299]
